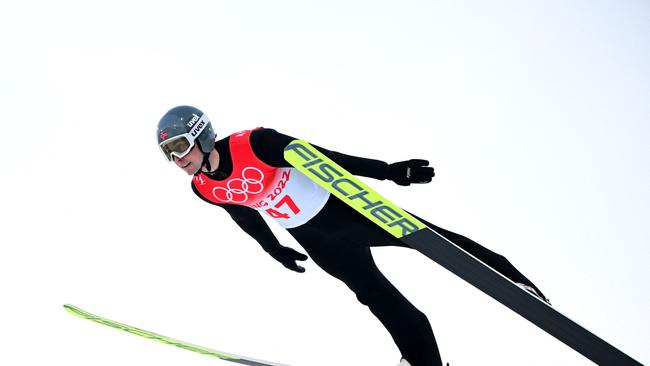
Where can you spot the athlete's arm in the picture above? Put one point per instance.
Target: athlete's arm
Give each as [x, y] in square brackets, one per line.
[269, 145]
[250, 221]
[254, 225]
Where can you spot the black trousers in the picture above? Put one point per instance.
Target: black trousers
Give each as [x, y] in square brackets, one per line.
[338, 240]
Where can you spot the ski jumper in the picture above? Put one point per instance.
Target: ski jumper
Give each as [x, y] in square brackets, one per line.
[335, 236]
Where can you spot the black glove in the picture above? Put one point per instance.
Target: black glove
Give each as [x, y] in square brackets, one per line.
[288, 258]
[411, 171]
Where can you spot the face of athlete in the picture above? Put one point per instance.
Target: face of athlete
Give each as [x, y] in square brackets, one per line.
[190, 163]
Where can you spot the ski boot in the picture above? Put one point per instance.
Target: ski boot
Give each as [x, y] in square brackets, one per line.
[534, 292]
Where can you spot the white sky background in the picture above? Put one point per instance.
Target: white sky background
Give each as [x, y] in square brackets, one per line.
[534, 114]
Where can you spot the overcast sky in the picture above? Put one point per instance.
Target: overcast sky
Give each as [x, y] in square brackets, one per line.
[534, 114]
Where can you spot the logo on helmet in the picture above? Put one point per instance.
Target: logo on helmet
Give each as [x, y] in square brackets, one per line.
[197, 127]
[164, 135]
[193, 120]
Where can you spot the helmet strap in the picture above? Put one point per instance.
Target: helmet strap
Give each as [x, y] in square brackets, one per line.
[206, 161]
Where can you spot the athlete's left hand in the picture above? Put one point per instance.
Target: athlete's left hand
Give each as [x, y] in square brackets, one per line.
[411, 171]
[288, 257]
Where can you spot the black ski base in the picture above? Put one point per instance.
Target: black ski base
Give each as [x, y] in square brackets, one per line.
[481, 276]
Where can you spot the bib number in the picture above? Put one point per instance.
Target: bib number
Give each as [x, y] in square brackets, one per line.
[286, 200]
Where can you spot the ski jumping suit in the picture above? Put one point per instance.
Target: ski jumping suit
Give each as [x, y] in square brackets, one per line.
[253, 177]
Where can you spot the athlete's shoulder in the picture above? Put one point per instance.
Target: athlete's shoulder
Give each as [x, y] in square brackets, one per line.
[263, 132]
[269, 136]
[268, 145]
[200, 180]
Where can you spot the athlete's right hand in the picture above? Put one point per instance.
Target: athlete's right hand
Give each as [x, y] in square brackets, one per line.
[288, 257]
[411, 171]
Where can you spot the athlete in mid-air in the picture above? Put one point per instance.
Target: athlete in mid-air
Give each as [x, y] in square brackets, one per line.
[246, 174]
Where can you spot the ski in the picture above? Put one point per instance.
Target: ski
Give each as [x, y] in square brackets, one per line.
[167, 340]
[416, 235]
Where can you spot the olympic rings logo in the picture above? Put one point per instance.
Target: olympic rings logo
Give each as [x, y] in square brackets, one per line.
[238, 189]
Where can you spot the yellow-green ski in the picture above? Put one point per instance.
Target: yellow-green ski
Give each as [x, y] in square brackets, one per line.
[167, 340]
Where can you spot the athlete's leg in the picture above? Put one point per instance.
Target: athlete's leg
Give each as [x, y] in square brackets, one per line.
[338, 216]
[352, 263]
[496, 261]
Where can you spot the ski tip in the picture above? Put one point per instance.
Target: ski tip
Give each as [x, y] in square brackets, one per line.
[71, 309]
